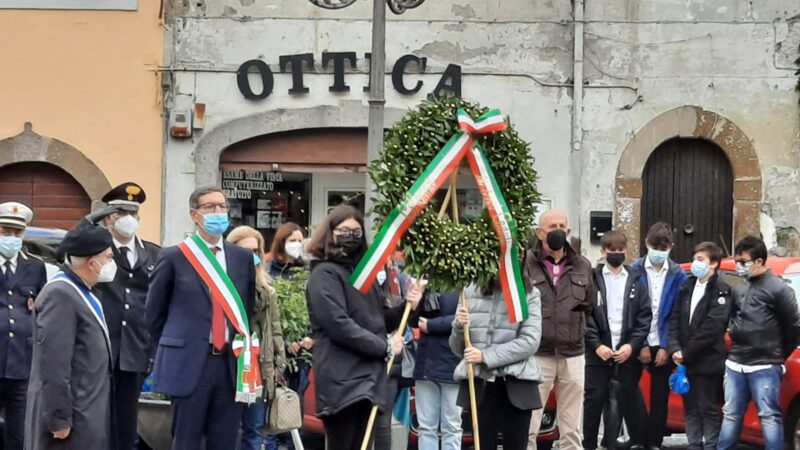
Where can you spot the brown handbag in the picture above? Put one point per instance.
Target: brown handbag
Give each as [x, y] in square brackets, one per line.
[284, 411]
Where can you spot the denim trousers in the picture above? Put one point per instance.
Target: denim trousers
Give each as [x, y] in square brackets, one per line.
[437, 410]
[763, 387]
[253, 418]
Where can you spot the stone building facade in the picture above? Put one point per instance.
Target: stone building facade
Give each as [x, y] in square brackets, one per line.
[700, 93]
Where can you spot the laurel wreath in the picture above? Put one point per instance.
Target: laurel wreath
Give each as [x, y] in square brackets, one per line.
[452, 255]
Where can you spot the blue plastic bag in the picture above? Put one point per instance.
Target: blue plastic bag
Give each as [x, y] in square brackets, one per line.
[678, 381]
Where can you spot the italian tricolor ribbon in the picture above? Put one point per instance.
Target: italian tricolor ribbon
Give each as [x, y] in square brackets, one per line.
[222, 290]
[398, 221]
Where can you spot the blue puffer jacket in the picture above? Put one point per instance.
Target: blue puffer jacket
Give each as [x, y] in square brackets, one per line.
[434, 360]
[675, 278]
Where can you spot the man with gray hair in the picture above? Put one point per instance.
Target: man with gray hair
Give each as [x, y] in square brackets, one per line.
[69, 393]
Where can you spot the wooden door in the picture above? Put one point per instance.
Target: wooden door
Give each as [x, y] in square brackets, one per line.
[688, 183]
[57, 199]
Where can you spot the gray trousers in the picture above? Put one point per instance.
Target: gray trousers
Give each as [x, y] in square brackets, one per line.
[703, 418]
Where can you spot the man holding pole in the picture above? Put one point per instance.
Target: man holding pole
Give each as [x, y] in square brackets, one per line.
[564, 279]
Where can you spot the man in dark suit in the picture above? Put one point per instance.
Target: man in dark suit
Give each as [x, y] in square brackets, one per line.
[616, 330]
[123, 303]
[23, 278]
[697, 340]
[194, 362]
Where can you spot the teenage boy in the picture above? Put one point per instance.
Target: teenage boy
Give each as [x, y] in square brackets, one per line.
[663, 278]
[697, 340]
[615, 333]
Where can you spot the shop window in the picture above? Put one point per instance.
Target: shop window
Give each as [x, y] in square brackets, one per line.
[89, 5]
[351, 197]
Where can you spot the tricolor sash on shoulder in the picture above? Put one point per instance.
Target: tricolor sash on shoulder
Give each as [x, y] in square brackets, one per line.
[89, 300]
[245, 345]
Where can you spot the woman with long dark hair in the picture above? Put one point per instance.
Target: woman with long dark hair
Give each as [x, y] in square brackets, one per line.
[286, 250]
[350, 330]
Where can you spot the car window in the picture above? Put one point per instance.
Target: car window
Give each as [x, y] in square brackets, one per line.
[793, 280]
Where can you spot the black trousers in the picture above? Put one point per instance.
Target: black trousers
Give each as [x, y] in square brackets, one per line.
[615, 390]
[383, 423]
[701, 406]
[497, 414]
[127, 386]
[345, 429]
[659, 398]
[12, 398]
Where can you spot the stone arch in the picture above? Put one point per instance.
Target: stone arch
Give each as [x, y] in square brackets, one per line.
[689, 122]
[211, 146]
[29, 146]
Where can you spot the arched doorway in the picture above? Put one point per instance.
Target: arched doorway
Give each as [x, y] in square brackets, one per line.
[688, 183]
[57, 199]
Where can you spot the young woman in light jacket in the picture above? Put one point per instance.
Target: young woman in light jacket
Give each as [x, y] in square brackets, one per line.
[506, 372]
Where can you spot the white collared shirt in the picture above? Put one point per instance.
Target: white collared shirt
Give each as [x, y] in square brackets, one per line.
[655, 280]
[697, 295]
[13, 260]
[615, 302]
[131, 245]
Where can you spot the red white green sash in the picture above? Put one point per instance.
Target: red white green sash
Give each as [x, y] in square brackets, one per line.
[245, 345]
[430, 181]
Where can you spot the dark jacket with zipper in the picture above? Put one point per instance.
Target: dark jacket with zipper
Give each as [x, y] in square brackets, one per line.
[350, 345]
[674, 280]
[434, 360]
[636, 318]
[701, 341]
[764, 321]
[564, 309]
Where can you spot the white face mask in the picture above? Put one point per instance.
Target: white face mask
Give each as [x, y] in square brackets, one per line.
[107, 272]
[127, 226]
[294, 249]
[380, 277]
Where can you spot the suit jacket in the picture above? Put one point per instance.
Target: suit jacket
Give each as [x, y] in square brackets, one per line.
[637, 315]
[701, 341]
[178, 313]
[123, 304]
[70, 384]
[16, 320]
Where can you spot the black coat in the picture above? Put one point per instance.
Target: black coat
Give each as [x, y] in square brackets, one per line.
[434, 360]
[350, 339]
[637, 314]
[701, 342]
[124, 305]
[16, 321]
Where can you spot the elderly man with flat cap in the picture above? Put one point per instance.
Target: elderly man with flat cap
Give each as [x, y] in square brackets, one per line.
[69, 394]
[23, 276]
[124, 305]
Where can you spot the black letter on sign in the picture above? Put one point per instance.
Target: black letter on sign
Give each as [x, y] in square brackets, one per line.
[244, 83]
[296, 61]
[450, 81]
[368, 57]
[338, 59]
[399, 70]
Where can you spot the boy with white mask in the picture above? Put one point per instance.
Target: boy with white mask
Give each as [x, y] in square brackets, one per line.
[123, 301]
[23, 276]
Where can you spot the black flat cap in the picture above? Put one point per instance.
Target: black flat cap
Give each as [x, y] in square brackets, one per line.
[127, 196]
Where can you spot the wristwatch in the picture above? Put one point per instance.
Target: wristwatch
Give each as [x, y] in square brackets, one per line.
[389, 352]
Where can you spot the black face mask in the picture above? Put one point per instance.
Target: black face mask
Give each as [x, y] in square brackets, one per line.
[349, 245]
[556, 239]
[615, 259]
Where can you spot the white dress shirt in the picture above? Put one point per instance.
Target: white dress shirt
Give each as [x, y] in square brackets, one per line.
[655, 280]
[615, 302]
[13, 260]
[131, 245]
[697, 295]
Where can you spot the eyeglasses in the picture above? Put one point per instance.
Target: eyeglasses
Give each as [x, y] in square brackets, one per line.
[743, 261]
[346, 232]
[221, 207]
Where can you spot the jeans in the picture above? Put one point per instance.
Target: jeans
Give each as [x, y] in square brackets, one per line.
[764, 388]
[437, 410]
[252, 422]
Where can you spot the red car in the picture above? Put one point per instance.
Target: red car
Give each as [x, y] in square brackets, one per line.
[788, 269]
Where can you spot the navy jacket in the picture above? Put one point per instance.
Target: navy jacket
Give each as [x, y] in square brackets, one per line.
[16, 321]
[434, 360]
[672, 285]
[178, 313]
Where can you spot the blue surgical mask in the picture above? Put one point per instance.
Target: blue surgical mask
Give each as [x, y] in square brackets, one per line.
[215, 224]
[657, 257]
[699, 268]
[256, 260]
[10, 246]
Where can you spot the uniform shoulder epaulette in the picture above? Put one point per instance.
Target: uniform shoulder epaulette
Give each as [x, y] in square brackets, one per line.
[27, 255]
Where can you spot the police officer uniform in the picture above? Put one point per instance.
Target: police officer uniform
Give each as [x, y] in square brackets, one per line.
[23, 276]
[124, 305]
